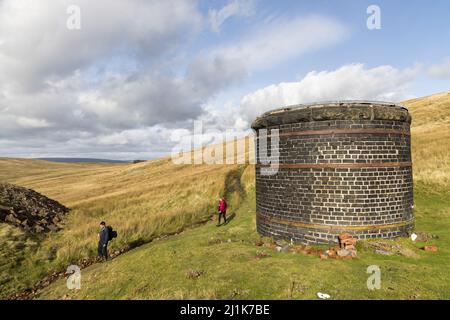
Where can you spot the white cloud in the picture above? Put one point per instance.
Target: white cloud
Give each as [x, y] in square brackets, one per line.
[243, 8]
[36, 45]
[350, 82]
[275, 42]
[282, 40]
[128, 78]
[25, 122]
[441, 70]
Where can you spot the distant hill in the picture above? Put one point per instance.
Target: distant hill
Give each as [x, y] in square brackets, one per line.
[83, 160]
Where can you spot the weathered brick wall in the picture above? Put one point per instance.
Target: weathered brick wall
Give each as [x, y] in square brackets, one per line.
[343, 167]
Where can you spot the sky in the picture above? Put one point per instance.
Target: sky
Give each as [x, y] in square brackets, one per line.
[129, 79]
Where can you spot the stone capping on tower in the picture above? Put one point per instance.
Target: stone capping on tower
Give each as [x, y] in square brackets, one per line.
[333, 110]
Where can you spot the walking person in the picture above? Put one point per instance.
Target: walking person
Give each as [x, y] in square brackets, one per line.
[103, 238]
[222, 210]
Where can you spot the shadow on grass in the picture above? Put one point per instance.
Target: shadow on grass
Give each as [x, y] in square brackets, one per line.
[229, 218]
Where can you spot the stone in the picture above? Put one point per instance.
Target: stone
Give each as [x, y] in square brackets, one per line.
[11, 218]
[331, 253]
[343, 253]
[350, 247]
[384, 252]
[5, 209]
[323, 256]
[29, 210]
[38, 229]
[431, 248]
[425, 237]
[259, 243]
[52, 227]
[281, 243]
[193, 274]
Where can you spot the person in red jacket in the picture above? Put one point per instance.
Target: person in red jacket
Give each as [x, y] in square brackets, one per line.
[222, 210]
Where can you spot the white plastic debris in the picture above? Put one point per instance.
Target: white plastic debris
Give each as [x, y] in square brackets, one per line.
[413, 237]
[323, 295]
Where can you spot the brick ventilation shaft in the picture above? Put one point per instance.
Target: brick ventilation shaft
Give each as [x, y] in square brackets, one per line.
[343, 167]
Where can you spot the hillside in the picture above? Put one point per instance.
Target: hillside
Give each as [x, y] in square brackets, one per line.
[143, 201]
[431, 137]
[147, 200]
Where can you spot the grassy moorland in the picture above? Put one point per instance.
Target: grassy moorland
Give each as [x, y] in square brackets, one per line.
[142, 201]
[149, 199]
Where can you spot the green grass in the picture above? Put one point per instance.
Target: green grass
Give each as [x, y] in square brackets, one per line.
[226, 256]
[16, 248]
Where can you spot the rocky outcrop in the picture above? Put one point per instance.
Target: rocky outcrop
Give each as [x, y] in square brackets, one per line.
[29, 210]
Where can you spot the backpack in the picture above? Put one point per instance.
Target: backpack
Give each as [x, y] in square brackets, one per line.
[111, 233]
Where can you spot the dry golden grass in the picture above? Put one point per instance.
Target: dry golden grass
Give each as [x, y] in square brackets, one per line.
[142, 201]
[430, 136]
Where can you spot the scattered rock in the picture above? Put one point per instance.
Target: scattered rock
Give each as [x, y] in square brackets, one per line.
[425, 237]
[332, 252]
[193, 274]
[391, 249]
[343, 253]
[347, 244]
[11, 218]
[387, 253]
[261, 254]
[259, 243]
[430, 248]
[29, 210]
[281, 243]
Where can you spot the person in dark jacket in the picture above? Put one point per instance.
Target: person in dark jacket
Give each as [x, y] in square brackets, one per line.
[103, 238]
[222, 210]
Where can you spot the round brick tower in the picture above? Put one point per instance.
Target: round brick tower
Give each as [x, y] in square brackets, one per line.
[327, 168]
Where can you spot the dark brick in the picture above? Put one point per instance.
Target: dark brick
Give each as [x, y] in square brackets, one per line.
[353, 196]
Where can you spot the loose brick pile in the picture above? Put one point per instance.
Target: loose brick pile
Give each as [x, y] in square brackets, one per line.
[344, 167]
